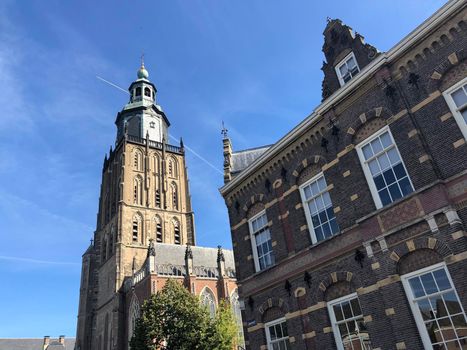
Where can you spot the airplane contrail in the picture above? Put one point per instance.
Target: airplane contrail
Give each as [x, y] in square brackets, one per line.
[112, 84]
[36, 261]
[199, 156]
[173, 137]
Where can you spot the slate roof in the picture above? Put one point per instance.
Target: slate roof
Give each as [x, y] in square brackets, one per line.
[35, 344]
[172, 254]
[241, 159]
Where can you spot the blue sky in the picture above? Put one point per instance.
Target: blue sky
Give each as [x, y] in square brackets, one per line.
[253, 63]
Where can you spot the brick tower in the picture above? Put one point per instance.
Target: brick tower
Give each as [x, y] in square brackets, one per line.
[144, 196]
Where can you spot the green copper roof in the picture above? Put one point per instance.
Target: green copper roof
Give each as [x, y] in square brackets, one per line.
[142, 73]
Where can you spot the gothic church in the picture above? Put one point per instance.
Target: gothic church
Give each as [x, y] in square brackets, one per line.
[145, 230]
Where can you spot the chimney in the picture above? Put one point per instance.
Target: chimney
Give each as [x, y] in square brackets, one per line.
[61, 340]
[46, 342]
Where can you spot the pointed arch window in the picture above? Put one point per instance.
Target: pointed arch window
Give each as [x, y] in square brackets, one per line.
[177, 237]
[137, 229]
[159, 234]
[104, 249]
[235, 304]
[172, 168]
[138, 190]
[156, 164]
[174, 196]
[138, 160]
[111, 240]
[133, 316]
[208, 300]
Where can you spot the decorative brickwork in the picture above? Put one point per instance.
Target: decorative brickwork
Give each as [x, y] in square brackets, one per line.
[375, 247]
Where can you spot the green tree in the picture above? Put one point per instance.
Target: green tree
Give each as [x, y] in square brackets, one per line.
[223, 333]
[174, 319]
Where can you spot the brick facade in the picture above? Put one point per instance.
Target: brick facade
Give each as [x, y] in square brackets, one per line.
[401, 90]
[144, 200]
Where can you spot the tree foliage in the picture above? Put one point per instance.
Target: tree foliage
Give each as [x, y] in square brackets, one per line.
[174, 319]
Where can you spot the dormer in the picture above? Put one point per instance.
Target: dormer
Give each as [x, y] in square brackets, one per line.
[346, 55]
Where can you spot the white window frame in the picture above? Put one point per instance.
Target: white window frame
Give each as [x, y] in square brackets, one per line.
[366, 168]
[413, 305]
[253, 240]
[335, 327]
[273, 323]
[454, 109]
[309, 221]
[341, 63]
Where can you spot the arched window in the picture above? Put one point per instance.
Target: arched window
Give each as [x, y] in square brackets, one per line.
[138, 190]
[138, 91]
[137, 228]
[177, 237]
[104, 249]
[174, 195]
[138, 160]
[111, 241]
[235, 304]
[147, 92]
[156, 164]
[208, 300]
[172, 168]
[133, 316]
[159, 235]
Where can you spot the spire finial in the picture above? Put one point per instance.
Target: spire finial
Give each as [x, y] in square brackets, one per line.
[142, 72]
[220, 254]
[224, 130]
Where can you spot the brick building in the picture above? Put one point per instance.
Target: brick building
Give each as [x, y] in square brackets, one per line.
[145, 230]
[349, 232]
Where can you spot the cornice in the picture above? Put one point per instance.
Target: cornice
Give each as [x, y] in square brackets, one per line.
[407, 43]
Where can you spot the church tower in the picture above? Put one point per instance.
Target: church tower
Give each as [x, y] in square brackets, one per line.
[144, 197]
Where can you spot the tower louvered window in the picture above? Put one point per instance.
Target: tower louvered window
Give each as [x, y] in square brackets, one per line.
[159, 237]
[158, 198]
[138, 191]
[174, 196]
[177, 238]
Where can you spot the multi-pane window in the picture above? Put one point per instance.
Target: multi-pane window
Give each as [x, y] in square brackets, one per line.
[207, 299]
[318, 209]
[384, 169]
[261, 241]
[348, 326]
[439, 315]
[347, 69]
[236, 310]
[277, 335]
[456, 98]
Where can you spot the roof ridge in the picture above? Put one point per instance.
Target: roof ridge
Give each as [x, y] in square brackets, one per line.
[253, 148]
